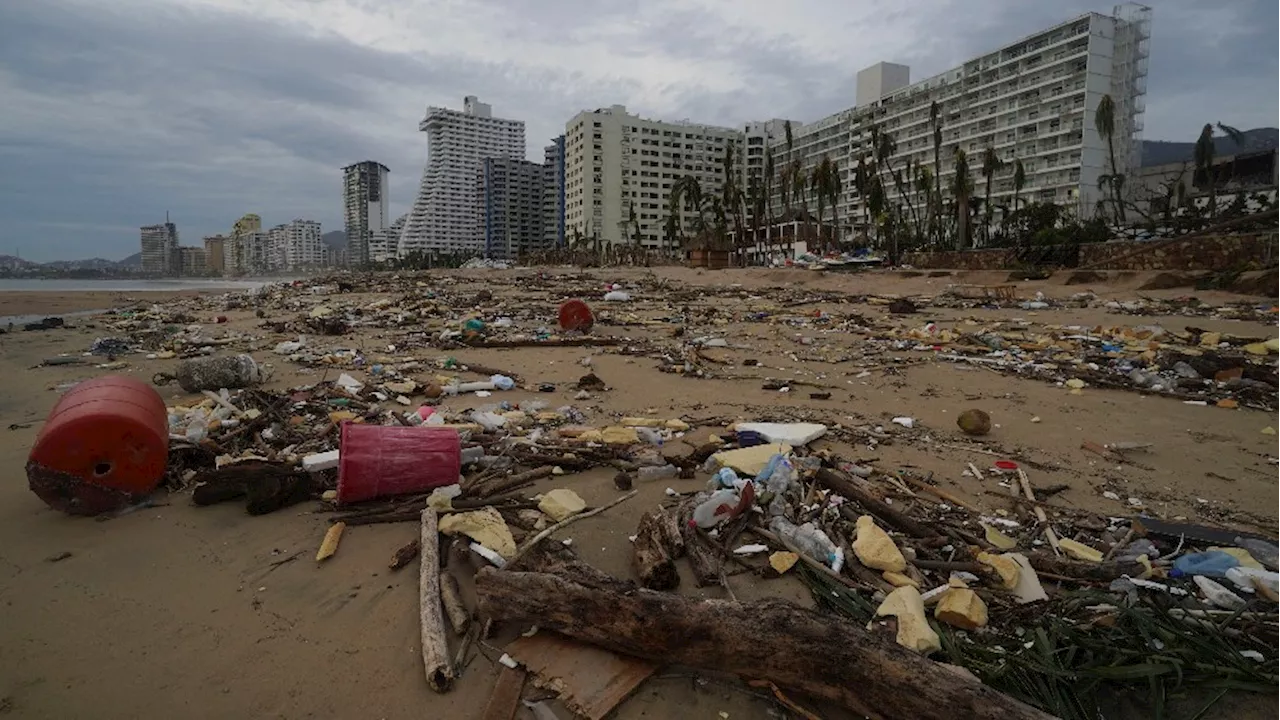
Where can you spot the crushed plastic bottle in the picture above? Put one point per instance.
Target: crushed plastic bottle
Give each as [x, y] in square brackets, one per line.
[650, 473]
[1206, 564]
[1218, 595]
[649, 435]
[197, 429]
[710, 513]
[1261, 550]
[725, 478]
[1136, 549]
[809, 540]
[777, 474]
[1243, 578]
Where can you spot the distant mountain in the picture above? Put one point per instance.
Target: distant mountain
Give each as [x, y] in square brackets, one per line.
[9, 262]
[90, 264]
[336, 239]
[1161, 152]
[134, 260]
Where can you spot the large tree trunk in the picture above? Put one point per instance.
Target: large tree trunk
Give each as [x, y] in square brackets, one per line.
[817, 654]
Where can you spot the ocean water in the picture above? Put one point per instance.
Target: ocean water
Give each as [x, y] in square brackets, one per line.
[126, 285]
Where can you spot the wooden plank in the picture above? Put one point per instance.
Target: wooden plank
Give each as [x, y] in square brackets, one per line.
[505, 698]
[590, 681]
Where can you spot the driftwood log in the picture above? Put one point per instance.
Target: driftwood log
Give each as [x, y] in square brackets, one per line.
[435, 645]
[703, 560]
[451, 598]
[653, 556]
[494, 486]
[795, 648]
[1081, 570]
[842, 485]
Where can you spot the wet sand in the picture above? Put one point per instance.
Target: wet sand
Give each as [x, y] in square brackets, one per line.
[178, 611]
[55, 302]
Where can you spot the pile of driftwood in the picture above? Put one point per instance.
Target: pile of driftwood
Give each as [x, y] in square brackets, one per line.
[833, 654]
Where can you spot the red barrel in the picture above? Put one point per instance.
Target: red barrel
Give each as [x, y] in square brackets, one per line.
[385, 460]
[576, 315]
[104, 446]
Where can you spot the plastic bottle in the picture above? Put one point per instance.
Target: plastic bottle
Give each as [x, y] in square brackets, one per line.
[705, 515]
[472, 455]
[1141, 546]
[1206, 564]
[725, 478]
[1242, 577]
[1218, 595]
[495, 462]
[809, 540]
[213, 373]
[777, 475]
[649, 473]
[1261, 550]
[649, 435]
[780, 477]
[197, 429]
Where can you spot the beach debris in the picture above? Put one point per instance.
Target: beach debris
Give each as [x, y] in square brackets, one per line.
[329, 545]
[875, 549]
[485, 526]
[560, 503]
[590, 681]
[905, 605]
[214, 373]
[782, 561]
[974, 422]
[435, 648]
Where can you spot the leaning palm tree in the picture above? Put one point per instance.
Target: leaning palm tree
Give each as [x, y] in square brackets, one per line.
[835, 189]
[991, 164]
[1205, 164]
[961, 190]
[1019, 181]
[820, 181]
[1104, 120]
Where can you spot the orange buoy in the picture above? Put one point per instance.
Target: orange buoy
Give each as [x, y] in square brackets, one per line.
[576, 315]
[104, 446]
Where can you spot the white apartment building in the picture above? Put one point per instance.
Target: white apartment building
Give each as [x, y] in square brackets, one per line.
[364, 201]
[445, 217]
[1032, 100]
[303, 247]
[615, 160]
[384, 243]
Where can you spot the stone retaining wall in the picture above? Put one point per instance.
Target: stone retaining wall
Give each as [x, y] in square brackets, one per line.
[1219, 252]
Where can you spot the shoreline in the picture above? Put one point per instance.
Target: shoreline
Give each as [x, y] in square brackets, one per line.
[18, 304]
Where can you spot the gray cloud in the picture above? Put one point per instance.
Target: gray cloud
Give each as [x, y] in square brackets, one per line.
[116, 112]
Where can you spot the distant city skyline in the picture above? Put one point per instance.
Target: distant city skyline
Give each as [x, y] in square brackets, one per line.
[180, 125]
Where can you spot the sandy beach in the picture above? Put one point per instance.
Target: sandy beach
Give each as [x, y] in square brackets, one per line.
[179, 611]
[55, 302]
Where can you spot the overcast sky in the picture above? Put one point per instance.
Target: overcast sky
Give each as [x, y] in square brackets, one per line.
[113, 112]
